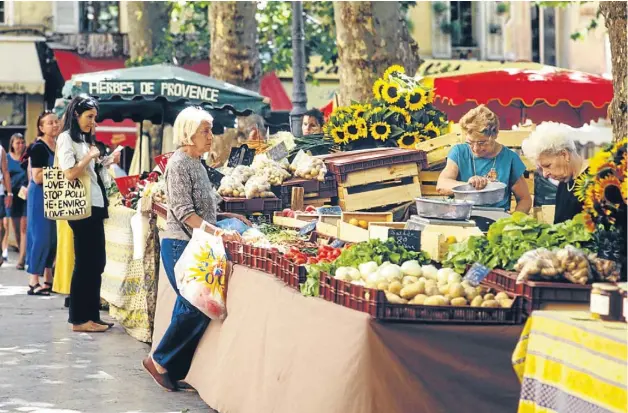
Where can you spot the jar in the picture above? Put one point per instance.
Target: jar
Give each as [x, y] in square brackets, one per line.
[623, 291]
[606, 301]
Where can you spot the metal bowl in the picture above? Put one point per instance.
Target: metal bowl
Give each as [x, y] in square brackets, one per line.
[453, 209]
[493, 193]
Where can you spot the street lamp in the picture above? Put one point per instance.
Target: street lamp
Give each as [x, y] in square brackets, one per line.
[299, 97]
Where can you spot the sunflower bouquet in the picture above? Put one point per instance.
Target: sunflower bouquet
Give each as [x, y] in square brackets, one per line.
[603, 190]
[400, 114]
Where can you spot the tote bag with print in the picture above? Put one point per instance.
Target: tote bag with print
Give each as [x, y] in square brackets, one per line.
[63, 199]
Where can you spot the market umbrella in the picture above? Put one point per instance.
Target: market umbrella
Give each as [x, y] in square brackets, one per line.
[159, 92]
[547, 94]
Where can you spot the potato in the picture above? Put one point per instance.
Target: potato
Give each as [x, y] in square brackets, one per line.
[383, 286]
[458, 302]
[443, 289]
[470, 293]
[506, 303]
[481, 290]
[431, 290]
[409, 279]
[418, 299]
[435, 300]
[371, 284]
[490, 304]
[410, 291]
[456, 290]
[488, 297]
[395, 287]
[395, 299]
[501, 296]
[477, 302]
[466, 284]
[447, 299]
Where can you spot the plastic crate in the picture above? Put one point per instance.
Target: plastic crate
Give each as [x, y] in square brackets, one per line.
[343, 164]
[291, 274]
[504, 280]
[374, 302]
[245, 206]
[537, 293]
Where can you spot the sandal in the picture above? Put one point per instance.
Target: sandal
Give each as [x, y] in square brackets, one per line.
[48, 288]
[20, 267]
[41, 291]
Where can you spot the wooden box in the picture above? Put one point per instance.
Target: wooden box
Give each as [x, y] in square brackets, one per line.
[352, 233]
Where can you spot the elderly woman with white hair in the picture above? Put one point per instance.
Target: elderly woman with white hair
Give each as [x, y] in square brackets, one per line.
[192, 203]
[551, 148]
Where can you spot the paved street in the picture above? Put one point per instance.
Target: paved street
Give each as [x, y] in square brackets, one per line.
[45, 368]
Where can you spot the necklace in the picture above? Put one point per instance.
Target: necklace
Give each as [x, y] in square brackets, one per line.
[492, 174]
[572, 186]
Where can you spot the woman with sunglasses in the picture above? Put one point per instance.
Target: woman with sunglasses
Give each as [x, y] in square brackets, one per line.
[482, 160]
[77, 155]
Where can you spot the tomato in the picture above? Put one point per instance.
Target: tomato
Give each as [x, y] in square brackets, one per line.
[335, 254]
[312, 260]
[321, 248]
[300, 261]
[324, 260]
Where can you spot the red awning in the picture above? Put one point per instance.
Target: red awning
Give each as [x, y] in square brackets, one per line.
[71, 63]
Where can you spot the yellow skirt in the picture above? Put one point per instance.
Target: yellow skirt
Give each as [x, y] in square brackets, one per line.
[65, 258]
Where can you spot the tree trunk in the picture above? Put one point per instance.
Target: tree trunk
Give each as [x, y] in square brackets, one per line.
[614, 13]
[370, 36]
[234, 56]
[148, 21]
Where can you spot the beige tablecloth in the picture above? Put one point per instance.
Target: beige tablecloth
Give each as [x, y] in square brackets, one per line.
[280, 352]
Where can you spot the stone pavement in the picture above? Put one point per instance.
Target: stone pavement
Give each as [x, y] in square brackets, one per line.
[46, 368]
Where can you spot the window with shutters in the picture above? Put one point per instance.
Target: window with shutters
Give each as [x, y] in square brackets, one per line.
[3, 18]
[462, 19]
[99, 17]
[543, 21]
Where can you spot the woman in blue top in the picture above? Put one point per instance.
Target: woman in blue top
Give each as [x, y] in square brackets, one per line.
[482, 160]
[19, 182]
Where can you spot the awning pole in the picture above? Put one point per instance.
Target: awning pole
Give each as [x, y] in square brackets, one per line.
[141, 144]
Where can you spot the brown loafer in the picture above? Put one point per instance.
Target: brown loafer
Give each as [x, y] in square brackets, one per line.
[185, 386]
[89, 327]
[162, 380]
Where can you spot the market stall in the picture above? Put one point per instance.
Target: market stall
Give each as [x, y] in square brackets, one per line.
[278, 351]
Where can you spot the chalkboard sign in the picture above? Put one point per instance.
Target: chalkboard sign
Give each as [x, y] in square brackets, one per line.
[241, 156]
[337, 243]
[306, 229]
[214, 176]
[278, 152]
[407, 238]
[331, 210]
[259, 219]
[476, 274]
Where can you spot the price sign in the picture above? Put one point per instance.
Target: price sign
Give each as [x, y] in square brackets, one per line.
[214, 176]
[337, 243]
[331, 210]
[241, 156]
[259, 219]
[278, 152]
[306, 229]
[407, 238]
[476, 274]
[162, 160]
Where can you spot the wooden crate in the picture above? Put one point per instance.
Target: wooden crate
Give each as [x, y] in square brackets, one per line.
[428, 181]
[288, 222]
[351, 233]
[379, 187]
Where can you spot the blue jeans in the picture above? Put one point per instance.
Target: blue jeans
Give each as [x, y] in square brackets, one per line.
[187, 325]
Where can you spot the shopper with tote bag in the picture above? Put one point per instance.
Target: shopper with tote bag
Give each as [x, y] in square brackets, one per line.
[79, 158]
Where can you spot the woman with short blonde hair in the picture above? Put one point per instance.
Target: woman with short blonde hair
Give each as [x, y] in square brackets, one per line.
[482, 160]
[551, 148]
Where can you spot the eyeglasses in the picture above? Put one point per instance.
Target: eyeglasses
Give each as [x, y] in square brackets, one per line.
[478, 144]
[87, 102]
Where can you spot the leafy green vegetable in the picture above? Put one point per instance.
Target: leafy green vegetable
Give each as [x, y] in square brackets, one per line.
[509, 238]
[354, 255]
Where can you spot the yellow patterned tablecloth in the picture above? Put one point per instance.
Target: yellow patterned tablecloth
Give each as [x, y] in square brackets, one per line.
[570, 363]
[130, 285]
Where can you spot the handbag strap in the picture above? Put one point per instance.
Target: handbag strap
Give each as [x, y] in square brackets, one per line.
[181, 224]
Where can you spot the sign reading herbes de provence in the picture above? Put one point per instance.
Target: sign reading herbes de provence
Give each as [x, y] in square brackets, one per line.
[167, 89]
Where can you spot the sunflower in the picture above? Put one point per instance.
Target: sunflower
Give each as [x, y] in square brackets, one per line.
[363, 129]
[408, 140]
[619, 144]
[339, 135]
[581, 186]
[589, 200]
[596, 162]
[588, 222]
[390, 93]
[351, 130]
[380, 131]
[610, 188]
[393, 69]
[431, 130]
[359, 110]
[404, 113]
[624, 190]
[416, 99]
[377, 88]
